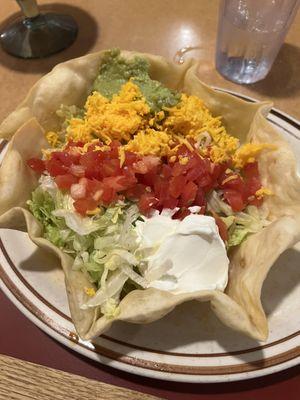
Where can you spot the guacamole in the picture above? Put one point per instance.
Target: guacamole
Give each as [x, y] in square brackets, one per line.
[116, 70]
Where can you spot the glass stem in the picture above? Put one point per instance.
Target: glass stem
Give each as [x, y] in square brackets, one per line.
[29, 8]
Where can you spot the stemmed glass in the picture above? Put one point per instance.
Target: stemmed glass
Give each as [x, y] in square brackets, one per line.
[37, 35]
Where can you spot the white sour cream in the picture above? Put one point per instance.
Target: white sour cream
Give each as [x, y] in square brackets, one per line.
[183, 256]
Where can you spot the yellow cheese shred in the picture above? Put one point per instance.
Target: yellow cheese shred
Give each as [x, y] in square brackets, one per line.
[52, 138]
[151, 142]
[117, 119]
[90, 291]
[248, 153]
[260, 193]
[127, 118]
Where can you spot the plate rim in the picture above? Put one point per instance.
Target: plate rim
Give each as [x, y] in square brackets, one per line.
[71, 342]
[130, 345]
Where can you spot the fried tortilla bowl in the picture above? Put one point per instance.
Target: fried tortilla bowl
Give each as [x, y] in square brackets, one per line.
[239, 307]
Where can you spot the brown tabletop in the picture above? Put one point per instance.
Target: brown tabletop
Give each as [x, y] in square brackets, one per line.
[159, 27]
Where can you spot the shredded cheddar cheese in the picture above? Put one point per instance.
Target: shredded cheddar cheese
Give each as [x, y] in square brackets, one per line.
[149, 141]
[127, 118]
[183, 160]
[90, 291]
[117, 119]
[96, 211]
[190, 118]
[260, 193]
[248, 153]
[52, 138]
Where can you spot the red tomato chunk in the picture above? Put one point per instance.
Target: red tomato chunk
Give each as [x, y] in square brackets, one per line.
[36, 164]
[96, 178]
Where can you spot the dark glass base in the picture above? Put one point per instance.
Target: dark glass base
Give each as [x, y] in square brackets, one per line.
[40, 36]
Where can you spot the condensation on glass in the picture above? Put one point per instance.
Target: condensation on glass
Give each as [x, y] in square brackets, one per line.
[250, 34]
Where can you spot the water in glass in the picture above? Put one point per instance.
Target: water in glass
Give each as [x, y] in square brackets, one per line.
[250, 35]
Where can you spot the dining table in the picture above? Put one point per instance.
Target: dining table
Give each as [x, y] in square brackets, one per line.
[32, 364]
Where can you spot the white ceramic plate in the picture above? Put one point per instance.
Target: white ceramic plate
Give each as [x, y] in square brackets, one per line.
[189, 344]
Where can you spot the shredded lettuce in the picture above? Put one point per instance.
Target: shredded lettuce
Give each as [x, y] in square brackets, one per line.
[113, 286]
[102, 246]
[239, 225]
[242, 224]
[217, 205]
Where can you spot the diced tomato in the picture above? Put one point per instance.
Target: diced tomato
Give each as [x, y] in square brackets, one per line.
[111, 168]
[151, 162]
[77, 170]
[205, 181]
[255, 202]
[118, 183]
[75, 155]
[140, 167]
[222, 227]
[78, 191]
[160, 185]
[93, 146]
[94, 189]
[149, 178]
[184, 151]
[251, 186]
[114, 152]
[197, 167]
[170, 202]
[166, 171]
[178, 169]
[182, 213]
[92, 185]
[130, 158]
[236, 183]
[251, 170]
[177, 184]
[36, 164]
[84, 205]
[188, 194]
[98, 194]
[55, 167]
[65, 181]
[74, 144]
[146, 164]
[147, 202]
[195, 173]
[202, 210]
[92, 163]
[96, 177]
[63, 157]
[130, 176]
[108, 195]
[164, 194]
[217, 170]
[200, 198]
[136, 191]
[90, 159]
[252, 179]
[234, 199]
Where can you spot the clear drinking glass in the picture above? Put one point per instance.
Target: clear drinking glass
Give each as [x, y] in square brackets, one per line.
[250, 34]
[37, 35]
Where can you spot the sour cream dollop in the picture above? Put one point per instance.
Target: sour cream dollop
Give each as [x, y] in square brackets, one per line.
[183, 256]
